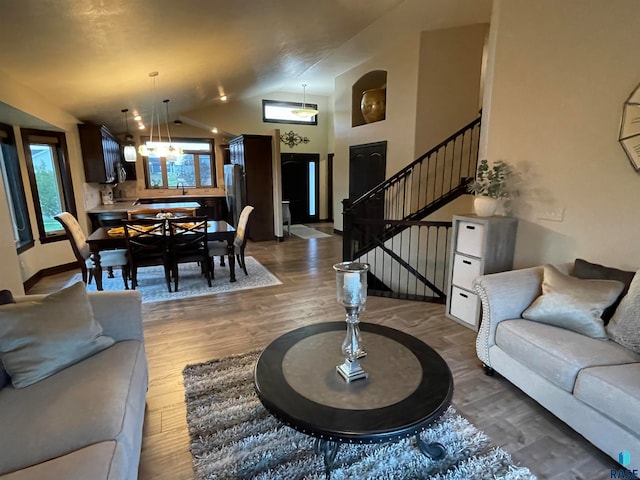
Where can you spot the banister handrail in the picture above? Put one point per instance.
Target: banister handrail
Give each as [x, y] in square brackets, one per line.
[407, 169]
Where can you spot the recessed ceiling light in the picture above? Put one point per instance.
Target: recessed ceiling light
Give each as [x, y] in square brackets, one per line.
[223, 98]
[140, 126]
[214, 130]
[137, 118]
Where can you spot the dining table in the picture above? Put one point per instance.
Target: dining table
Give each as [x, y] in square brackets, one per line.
[100, 240]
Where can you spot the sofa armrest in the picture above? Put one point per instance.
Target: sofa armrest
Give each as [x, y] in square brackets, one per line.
[504, 296]
[119, 313]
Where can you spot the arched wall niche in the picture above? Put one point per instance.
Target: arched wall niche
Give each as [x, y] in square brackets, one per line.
[375, 79]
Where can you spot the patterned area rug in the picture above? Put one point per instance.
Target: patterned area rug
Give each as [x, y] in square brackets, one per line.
[305, 232]
[234, 437]
[153, 288]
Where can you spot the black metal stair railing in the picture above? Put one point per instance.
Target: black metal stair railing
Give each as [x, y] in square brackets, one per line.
[372, 222]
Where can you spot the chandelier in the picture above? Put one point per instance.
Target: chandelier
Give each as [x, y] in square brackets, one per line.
[304, 112]
[159, 148]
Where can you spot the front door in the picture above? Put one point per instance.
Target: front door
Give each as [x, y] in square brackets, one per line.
[300, 185]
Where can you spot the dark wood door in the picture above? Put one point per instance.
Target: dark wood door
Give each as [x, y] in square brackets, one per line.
[300, 185]
[367, 168]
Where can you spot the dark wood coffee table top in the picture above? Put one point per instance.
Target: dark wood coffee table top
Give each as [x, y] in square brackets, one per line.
[409, 386]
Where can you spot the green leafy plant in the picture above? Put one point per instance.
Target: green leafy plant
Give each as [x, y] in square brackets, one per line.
[492, 181]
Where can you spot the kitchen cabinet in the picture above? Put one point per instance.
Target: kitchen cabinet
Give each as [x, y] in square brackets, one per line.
[101, 153]
[480, 245]
[253, 153]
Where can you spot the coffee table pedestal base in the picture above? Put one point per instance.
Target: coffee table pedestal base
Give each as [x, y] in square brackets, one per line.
[329, 450]
[351, 370]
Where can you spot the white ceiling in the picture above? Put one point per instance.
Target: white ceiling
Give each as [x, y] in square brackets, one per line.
[93, 57]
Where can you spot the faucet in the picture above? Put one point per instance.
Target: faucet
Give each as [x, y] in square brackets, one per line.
[184, 191]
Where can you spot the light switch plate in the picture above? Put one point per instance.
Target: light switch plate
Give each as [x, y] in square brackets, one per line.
[553, 214]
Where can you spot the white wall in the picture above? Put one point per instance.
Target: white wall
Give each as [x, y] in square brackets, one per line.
[400, 61]
[245, 116]
[17, 269]
[448, 83]
[558, 75]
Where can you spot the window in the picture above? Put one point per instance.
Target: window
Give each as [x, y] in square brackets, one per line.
[14, 190]
[50, 179]
[280, 112]
[195, 169]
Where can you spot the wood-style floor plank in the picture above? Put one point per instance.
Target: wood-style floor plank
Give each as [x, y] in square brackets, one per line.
[194, 330]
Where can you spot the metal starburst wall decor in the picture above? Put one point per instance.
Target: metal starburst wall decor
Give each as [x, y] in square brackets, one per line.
[291, 139]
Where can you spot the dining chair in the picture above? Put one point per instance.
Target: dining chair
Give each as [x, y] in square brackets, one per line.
[141, 213]
[147, 245]
[154, 212]
[240, 241]
[80, 247]
[286, 216]
[188, 243]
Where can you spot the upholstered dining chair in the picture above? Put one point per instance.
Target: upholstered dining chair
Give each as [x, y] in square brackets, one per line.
[188, 243]
[240, 241]
[78, 240]
[147, 245]
[155, 213]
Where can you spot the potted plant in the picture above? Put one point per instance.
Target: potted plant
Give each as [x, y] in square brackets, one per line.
[490, 185]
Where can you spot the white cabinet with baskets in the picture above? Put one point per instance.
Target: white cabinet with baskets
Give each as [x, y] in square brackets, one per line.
[480, 245]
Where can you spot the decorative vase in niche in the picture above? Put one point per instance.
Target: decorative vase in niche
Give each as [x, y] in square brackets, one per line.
[373, 104]
[485, 206]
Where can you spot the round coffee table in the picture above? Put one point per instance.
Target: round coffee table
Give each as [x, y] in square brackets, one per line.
[408, 388]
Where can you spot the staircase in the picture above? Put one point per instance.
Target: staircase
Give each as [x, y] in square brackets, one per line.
[385, 227]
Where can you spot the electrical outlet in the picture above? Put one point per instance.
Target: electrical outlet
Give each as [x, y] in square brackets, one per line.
[553, 214]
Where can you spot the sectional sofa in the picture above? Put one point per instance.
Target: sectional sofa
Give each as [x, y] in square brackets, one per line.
[84, 421]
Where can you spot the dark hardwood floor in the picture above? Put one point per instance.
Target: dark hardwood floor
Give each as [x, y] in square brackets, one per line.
[195, 330]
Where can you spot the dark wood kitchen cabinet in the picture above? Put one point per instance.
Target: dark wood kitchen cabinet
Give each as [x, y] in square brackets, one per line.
[253, 153]
[100, 153]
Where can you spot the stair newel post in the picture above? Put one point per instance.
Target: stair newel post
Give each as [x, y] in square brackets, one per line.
[347, 230]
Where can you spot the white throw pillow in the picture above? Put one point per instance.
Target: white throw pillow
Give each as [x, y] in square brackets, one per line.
[573, 303]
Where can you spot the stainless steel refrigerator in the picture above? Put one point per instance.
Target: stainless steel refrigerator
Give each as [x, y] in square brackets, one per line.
[234, 184]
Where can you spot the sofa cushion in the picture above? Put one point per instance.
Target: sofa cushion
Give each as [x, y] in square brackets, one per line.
[95, 462]
[98, 399]
[555, 353]
[5, 297]
[594, 271]
[624, 327]
[614, 391]
[573, 303]
[41, 337]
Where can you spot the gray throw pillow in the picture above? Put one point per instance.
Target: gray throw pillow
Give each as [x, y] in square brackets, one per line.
[572, 303]
[41, 337]
[624, 327]
[595, 271]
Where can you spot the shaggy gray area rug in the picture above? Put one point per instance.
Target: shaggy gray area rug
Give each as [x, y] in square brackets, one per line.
[191, 283]
[234, 437]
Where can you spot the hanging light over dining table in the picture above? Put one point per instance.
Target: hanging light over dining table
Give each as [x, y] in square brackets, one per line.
[159, 148]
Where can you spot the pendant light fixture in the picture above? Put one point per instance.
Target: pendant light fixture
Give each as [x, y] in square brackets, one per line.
[151, 148]
[129, 149]
[304, 112]
[173, 153]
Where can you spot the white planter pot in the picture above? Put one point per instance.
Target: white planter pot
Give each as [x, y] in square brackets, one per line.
[485, 206]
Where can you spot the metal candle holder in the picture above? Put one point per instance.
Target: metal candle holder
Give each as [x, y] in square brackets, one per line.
[351, 286]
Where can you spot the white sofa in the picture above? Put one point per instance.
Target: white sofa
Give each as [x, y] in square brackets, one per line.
[592, 385]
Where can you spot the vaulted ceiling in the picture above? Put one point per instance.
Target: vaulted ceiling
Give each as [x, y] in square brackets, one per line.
[93, 57]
